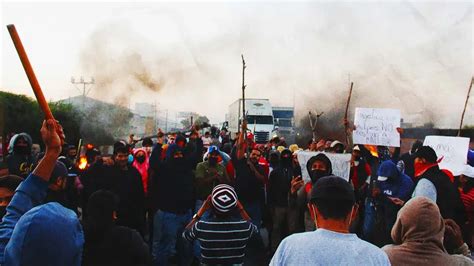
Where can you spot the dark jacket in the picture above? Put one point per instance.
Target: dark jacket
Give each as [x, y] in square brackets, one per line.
[172, 181]
[398, 184]
[248, 187]
[118, 246]
[448, 198]
[280, 182]
[127, 185]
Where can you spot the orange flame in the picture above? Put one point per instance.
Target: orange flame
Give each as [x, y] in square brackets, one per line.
[82, 163]
[373, 150]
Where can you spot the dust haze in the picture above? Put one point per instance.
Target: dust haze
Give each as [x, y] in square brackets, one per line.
[417, 57]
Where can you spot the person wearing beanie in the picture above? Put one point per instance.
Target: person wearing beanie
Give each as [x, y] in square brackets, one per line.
[433, 183]
[332, 207]
[224, 236]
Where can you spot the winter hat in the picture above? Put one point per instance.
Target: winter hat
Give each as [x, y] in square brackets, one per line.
[224, 198]
[427, 153]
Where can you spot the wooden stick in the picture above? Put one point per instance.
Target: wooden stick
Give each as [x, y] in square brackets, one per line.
[465, 105]
[345, 115]
[29, 72]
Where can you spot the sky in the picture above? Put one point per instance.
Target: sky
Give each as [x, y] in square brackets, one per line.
[414, 56]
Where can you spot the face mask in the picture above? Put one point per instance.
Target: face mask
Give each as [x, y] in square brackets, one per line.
[212, 161]
[140, 159]
[317, 174]
[21, 149]
[3, 211]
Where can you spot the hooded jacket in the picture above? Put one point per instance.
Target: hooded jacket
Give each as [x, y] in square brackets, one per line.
[173, 189]
[34, 234]
[142, 168]
[20, 164]
[280, 181]
[418, 237]
[398, 185]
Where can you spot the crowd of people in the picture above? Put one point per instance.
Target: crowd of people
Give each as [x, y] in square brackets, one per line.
[187, 199]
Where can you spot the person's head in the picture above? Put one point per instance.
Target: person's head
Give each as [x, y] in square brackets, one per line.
[180, 141]
[223, 199]
[213, 155]
[388, 171]
[140, 156]
[415, 146]
[419, 220]
[92, 154]
[425, 157]
[255, 155]
[8, 185]
[71, 152]
[285, 158]
[121, 152]
[356, 153]
[102, 209]
[171, 138]
[337, 147]
[58, 179]
[21, 144]
[467, 178]
[48, 234]
[318, 166]
[175, 155]
[332, 201]
[207, 134]
[147, 144]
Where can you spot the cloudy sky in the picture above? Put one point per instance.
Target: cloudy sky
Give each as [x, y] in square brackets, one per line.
[415, 56]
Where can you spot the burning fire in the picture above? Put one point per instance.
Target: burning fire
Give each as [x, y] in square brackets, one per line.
[82, 163]
[373, 150]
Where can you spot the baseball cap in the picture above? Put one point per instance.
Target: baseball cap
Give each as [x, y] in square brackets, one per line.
[336, 142]
[10, 182]
[356, 148]
[224, 198]
[382, 178]
[468, 171]
[332, 188]
[59, 170]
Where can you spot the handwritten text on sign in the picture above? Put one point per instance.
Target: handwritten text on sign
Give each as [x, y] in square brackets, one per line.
[341, 163]
[377, 127]
[452, 149]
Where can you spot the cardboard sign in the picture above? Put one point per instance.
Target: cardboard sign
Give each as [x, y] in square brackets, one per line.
[341, 163]
[452, 150]
[377, 127]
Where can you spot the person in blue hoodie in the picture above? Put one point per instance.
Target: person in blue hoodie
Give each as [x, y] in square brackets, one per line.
[394, 189]
[32, 233]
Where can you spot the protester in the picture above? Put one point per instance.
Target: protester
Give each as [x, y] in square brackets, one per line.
[107, 243]
[284, 218]
[123, 180]
[337, 147]
[141, 163]
[418, 236]
[20, 161]
[395, 189]
[467, 195]
[223, 236]
[317, 166]
[360, 170]
[332, 207]
[173, 195]
[435, 184]
[250, 177]
[206, 140]
[34, 234]
[147, 145]
[409, 158]
[8, 185]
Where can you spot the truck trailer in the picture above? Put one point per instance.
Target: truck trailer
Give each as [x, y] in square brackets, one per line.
[259, 116]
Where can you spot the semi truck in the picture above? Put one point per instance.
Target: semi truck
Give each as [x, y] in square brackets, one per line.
[259, 116]
[284, 121]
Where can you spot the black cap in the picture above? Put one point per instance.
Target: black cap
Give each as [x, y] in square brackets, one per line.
[332, 188]
[427, 153]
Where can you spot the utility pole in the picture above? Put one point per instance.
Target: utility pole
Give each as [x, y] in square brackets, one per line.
[166, 123]
[84, 85]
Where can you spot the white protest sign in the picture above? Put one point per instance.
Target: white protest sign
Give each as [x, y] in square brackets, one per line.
[452, 149]
[377, 127]
[341, 163]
